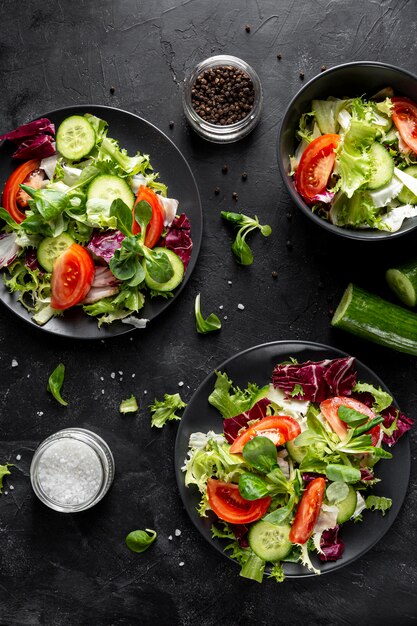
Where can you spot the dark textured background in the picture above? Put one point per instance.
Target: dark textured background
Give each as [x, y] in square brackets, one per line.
[66, 570]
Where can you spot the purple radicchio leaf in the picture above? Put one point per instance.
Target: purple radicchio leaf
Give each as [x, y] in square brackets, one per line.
[178, 238]
[326, 197]
[232, 425]
[8, 249]
[404, 423]
[318, 379]
[31, 261]
[331, 544]
[104, 245]
[37, 127]
[310, 476]
[366, 474]
[38, 147]
[240, 531]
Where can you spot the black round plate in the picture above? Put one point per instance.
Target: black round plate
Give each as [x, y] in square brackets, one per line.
[133, 133]
[256, 365]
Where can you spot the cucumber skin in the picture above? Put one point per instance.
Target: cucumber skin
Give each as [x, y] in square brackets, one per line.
[281, 552]
[409, 270]
[171, 283]
[93, 190]
[406, 196]
[372, 318]
[68, 155]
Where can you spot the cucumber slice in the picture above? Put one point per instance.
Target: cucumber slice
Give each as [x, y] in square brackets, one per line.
[270, 542]
[391, 137]
[75, 138]
[368, 316]
[406, 196]
[175, 280]
[403, 282]
[347, 506]
[297, 453]
[109, 187]
[51, 248]
[382, 166]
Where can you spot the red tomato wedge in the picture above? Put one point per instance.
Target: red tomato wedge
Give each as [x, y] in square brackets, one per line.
[316, 165]
[156, 225]
[72, 277]
[404, 116]
[278, 428]
[228, 504]
[13, 196]
[329, 410]
[308, 511]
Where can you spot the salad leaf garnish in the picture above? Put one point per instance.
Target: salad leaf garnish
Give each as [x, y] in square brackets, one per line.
[277, 573]
[359, 430]
[252, 487]
[253, 568]
[343, 473]
[123, 214]
[337, 491]
[246, 224]
[378, 503]
[143, 215]
[281, 515]
[165, 410]
[140, 540]
[351, 416]
[207, 325]
[260, 453]
[50, 203]
[129, 406]
[55, 382]
[297, 391]
[4, 471]
[382, 398]
[158, 265]
[5, 215]
[228, 399]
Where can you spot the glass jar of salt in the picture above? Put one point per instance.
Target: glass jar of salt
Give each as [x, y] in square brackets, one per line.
[72, 470]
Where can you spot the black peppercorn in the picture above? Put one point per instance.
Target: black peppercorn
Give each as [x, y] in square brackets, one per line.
[235, 196]
[247, 28]
[223, 95]
[274, 274]
[217, 190]
[244, 176]
[279, 57]
[323, 68]
[302, 75]
[112, 90]
[225, 169]
[171, 124]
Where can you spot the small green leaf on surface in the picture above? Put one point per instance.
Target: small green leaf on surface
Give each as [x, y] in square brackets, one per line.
[129, 406]
[165, 410]
[140, 540]
[207, 325]
[55, 382]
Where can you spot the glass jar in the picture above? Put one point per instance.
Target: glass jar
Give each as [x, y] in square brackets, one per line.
[72, 470]
[227, 133]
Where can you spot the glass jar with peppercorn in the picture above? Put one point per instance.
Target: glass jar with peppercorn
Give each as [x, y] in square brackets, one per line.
[222, 99]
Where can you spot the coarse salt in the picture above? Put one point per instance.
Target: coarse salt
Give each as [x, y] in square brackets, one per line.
[133, 375]
[181, 383]
[170, 538]
[70, 472]
[177, 532]
[221, 307]
[240, 306]
[18, 457]
[14, 363]
[229, 282]
[181, 564]
[225, 317]
[113, 375]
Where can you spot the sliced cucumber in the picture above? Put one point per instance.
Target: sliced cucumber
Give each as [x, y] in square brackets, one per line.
[177, 277]
[75, 138]
[297, 453]
[347, 506]
[108, 187]
[406, 196]
[368, 316]
[51, 248]
[403, 282]
[382, 166]
[270, 542]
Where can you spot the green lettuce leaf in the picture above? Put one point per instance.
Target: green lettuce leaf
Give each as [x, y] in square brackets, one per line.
[353, 160]
[229, 400]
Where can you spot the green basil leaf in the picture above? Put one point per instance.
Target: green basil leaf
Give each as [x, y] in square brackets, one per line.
[36, 225]
[337, 491]
[124, 265]
[252, 487]
[49, 202]
[55, 382]
[123, 214]
[207, 325]
[5, 215]
[261, 454]
[140, 540]
[281, 515]
[343, 473]
[143, 215]
[158, 266]
[359, 430]
[350, 416]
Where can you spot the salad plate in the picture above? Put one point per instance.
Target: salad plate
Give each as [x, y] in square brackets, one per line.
[133, 133]
[255, 365]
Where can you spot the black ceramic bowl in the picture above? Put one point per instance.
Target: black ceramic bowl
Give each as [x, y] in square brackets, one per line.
[348, 80]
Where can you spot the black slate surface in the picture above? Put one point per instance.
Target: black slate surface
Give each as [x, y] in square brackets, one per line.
[66, 570]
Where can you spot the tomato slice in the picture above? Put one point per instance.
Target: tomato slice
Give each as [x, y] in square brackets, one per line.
[278, 428]
[12, 191]
[156, 225]
[308, 511]
[72, 277]
[404, 116]
[329, 410]
[228, 504]
[316, 165]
